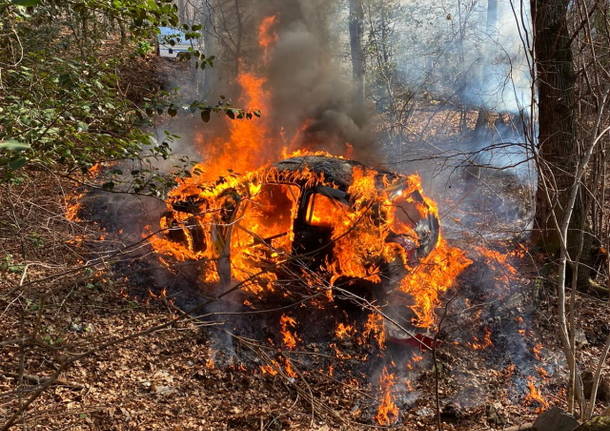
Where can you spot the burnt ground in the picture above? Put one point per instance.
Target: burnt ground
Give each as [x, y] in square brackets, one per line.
[69, 288]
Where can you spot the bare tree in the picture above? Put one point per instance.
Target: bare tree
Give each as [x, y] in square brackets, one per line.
[492, 22]
[557, 124]
[356, 31]
[573, 104]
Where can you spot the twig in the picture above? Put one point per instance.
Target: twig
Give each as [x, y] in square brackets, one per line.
[597, 378]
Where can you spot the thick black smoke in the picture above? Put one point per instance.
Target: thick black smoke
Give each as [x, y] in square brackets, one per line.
[309, 85]
[311, 90]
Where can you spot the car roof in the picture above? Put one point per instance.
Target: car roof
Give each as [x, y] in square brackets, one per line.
[335, 169]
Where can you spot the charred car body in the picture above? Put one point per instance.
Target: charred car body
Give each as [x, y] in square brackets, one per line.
[307, 225]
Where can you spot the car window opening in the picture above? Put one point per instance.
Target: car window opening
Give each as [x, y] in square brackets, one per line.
[407, 213]
[272, 212]
[324, 211]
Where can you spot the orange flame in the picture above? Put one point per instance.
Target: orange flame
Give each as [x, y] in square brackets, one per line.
[247, 219]
[535, 396]
[289, 369]
[266, 37]
[73, 207]
[432, 277]
[273, 368]
[374, 327]
[503, 269]
[210, 363]
[289, 339]
[244, 149]
[96, 169]
[387, 413]
[250, 143]
[484, 343]
[537, 351]
[344, 330]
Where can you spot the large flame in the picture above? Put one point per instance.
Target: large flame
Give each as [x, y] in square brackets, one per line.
[243, 150]
[248, 144]
[236, 216]
[431, 278]
[252, 214]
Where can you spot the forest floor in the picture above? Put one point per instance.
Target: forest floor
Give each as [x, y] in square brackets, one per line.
[144, 365]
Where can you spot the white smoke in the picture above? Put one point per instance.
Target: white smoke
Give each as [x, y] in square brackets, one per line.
[449, 50]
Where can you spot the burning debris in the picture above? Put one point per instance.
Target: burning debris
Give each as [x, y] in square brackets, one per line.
[316, 232]
[321, 253]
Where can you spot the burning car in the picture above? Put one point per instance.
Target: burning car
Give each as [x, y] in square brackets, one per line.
[311, 225]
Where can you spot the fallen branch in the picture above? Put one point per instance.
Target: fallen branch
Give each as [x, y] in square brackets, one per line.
[598, 287]
[522, 427]
[37, 380]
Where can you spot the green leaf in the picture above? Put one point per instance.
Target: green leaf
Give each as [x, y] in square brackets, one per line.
[26, 2]
[13, 145]
[17, 163]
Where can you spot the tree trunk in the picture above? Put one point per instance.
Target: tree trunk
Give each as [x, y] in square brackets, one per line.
[557, 140]
[182, 12]
[356, 31]
[492, 15]
[484, 117]
[210, 48]
[237, 59]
